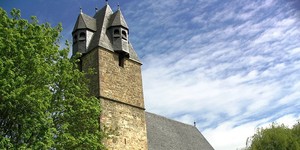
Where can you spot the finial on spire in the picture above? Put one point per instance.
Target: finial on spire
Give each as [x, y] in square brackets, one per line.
[118, 6]
[106, 2]
[96, 9]
[194, 123]
[80, 10]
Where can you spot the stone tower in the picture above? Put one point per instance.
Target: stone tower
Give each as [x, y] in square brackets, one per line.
[104, 43]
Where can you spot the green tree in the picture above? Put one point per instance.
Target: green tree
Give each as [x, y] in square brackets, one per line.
[276, 137]
[44, 100]
[296, 132]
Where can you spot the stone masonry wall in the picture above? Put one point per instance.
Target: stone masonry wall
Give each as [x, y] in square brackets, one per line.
[120, 83]
[129, 123]
[121, 95]
[89, 61]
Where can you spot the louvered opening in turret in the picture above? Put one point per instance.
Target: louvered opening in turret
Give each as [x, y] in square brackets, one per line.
[116, 33]
[82, 36]
[124, 35]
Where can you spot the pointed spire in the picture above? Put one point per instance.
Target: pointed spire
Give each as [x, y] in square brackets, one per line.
[103, 12]
[85, 22]
[118, 19]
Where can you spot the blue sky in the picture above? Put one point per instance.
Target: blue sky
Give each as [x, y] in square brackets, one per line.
[231, 66]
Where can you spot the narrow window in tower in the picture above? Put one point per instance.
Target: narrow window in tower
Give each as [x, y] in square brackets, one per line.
[125, 141]
[121, 59]
[81, 36]
[116, 33]
[124, 35]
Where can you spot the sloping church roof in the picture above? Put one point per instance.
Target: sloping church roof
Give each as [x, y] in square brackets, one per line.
[167, 134]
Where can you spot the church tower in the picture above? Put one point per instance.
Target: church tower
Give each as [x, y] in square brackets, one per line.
[103, 41]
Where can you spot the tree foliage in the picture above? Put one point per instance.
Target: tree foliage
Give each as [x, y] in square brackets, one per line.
[276, 137]
[44, 101]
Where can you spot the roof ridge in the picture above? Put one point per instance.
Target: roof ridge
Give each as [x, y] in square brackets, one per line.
[84, 21]
[86, 18]
[89, 17]
[171, 119]
[104, 8]
[101, 17]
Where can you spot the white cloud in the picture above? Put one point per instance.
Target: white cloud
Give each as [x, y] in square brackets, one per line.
[295, 51]
[229, 66]
[228, 136]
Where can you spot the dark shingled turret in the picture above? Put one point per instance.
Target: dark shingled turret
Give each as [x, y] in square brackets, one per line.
[118, 20]
[100, 34]
[83, 30]
[119, 31]
[85, 22]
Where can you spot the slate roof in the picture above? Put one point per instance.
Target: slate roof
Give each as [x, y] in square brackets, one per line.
[118, 19]
[102, 20]
[167, 134]
[85, 22]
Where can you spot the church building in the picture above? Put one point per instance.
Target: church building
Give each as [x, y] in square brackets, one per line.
[103, 41]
